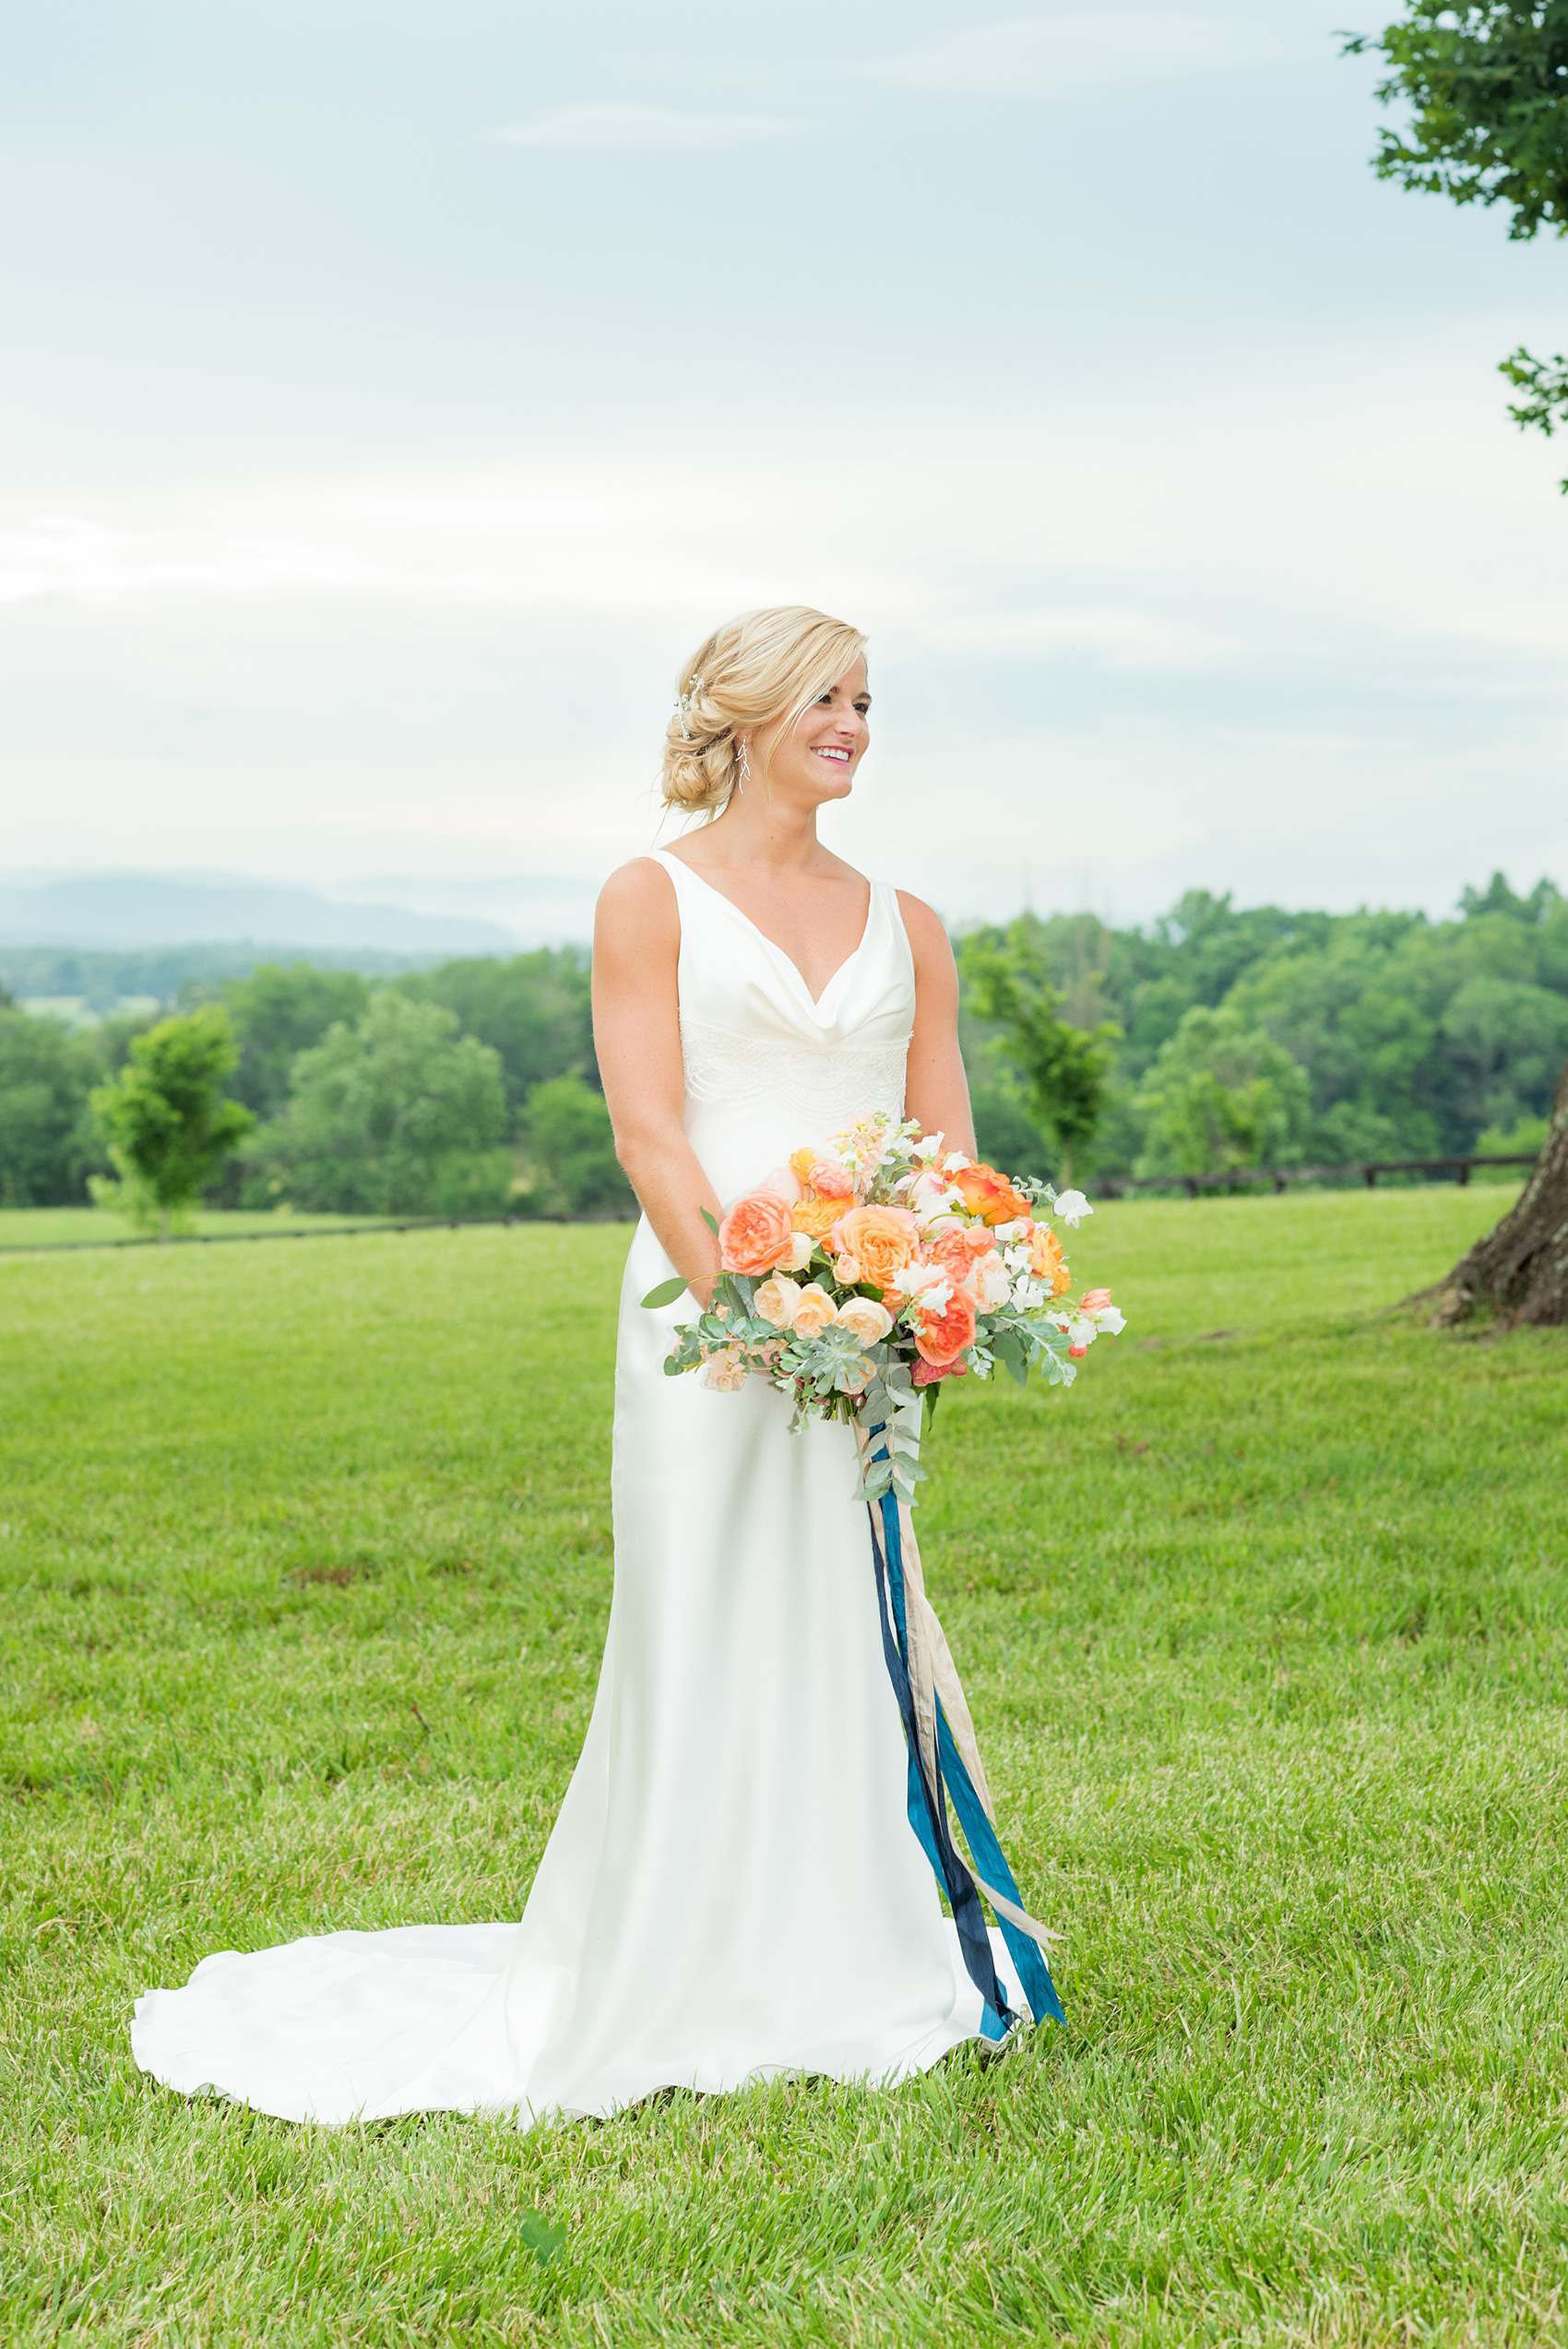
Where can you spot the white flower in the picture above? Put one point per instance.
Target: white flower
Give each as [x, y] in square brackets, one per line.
[954, 1163]
[1027, 1292]
[1071, 1207]
[930, 1196]
[1110, 1320]
[930, 1284]
[802, 1248]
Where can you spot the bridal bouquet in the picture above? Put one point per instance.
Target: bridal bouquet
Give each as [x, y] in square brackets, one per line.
[879, 1265]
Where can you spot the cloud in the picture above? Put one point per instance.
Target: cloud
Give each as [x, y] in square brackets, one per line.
[1122, 637]
[1039, 54]
[649, 130]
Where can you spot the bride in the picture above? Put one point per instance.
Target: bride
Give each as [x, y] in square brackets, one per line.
[733, 1888]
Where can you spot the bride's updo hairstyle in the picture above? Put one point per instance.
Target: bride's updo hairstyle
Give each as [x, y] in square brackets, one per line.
[762, 666]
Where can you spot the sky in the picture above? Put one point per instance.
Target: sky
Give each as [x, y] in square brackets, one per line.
[393, 395]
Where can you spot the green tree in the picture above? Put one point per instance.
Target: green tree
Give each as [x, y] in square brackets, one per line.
[1221, 1095]
[1486, 83]
[531, 1009]
[572, 1149]
[48, 1142]
[279, 1011]
[396, 1115]
[1063, 1070]
[165, 1118]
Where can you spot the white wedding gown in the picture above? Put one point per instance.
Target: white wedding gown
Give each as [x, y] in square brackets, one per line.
[733, 1888]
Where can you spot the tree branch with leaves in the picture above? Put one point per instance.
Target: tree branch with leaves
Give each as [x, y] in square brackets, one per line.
[1487, 87]
[1065, 1070]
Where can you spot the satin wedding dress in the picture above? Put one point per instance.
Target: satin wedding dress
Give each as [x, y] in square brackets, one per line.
[733, 1888]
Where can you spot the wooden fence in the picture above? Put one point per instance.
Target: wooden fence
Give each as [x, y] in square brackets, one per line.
[1364, 1170]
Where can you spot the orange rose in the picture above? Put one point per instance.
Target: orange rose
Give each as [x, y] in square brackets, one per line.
[1046, 1260]
[988, 1195]
[815, 1216]
[940, 1338]
[881, 1239]
[756, 1234]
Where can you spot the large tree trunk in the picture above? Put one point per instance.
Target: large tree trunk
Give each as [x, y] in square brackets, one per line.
[1520, 1269]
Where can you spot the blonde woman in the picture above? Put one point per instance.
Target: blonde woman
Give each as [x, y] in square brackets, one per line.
[733, 1888]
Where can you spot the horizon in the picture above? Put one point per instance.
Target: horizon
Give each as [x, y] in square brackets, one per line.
[414, 932]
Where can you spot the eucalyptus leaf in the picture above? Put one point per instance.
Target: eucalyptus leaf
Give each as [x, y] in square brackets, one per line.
[666, 1294]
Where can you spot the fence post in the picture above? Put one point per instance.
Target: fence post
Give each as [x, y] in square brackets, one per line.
[1464, 1175]
[1370, 1173]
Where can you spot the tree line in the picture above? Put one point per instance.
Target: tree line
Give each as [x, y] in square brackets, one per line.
[1214, 1037]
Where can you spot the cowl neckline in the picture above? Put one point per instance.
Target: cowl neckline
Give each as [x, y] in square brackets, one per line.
[818, 1005]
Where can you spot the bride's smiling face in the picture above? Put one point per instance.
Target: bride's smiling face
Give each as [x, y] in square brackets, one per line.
[815, 760]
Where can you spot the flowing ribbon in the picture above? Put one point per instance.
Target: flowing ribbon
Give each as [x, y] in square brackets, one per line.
[942, 1758]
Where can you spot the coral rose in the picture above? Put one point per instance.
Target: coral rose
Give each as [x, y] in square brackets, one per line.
[754, 1236]
[959, 1248]
[865, 1319]
[830, 1180]
[988, 1194]
[776, 1301]
[1094, 1299]
[926, 1373]
[882, 1239]
[816, 1216]
[940, 1338]
[814, 1310]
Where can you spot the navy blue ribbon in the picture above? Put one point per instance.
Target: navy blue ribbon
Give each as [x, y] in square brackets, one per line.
[927, 1806]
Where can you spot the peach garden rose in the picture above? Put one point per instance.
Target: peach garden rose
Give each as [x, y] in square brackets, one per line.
[756, 1235]
[881, 1239]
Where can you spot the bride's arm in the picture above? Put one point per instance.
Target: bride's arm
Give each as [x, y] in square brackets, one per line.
[936, 1090]
[636, 1034]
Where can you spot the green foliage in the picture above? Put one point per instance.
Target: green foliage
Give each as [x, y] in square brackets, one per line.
[1063, 1067]
[1487, 86]
[48, 1143]
[1266, 1630]
[532, 1010]
[396, 1115]
[571, 1146]
[165, 1118]
[279, 1011]
[1486, 83]
[1222, 1094]
[1414, 1034]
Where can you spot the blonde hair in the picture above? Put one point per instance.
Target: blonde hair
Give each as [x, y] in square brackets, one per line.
[761, 666]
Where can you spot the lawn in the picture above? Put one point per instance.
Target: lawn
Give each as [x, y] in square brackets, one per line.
[306, 1561]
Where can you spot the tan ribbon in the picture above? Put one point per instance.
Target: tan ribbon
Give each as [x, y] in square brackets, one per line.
[933, 1676]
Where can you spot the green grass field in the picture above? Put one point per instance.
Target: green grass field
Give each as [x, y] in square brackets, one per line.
[1265, 1631]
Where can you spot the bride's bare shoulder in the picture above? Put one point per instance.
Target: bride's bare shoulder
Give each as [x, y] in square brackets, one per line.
[927, 931]
[637, 903]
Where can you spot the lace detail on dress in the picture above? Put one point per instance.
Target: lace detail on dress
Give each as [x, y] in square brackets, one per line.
[824, 1085]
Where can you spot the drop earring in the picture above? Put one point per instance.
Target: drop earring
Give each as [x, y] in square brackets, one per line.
[745, 772]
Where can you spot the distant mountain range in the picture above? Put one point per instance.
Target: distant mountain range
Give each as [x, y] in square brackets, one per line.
[132, 910]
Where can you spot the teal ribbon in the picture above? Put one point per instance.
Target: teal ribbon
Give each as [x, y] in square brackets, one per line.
[927, 1805]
